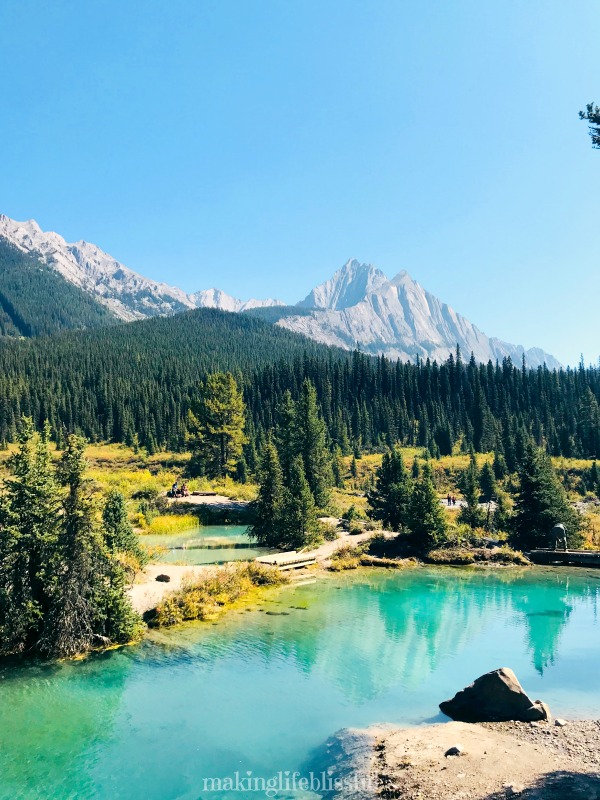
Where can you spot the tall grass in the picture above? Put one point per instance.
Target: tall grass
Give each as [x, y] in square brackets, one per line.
[205, 597]
[167, 523]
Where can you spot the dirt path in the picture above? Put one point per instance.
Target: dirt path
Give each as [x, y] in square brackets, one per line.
[146, 593]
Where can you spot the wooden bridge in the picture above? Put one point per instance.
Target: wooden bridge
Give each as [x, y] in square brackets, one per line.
[561, 558]
[286, 561]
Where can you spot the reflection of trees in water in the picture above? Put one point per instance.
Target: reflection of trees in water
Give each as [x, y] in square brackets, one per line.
[380, 630]
[368, 631]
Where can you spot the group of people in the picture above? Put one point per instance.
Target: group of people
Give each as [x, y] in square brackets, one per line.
[451, 499]
[179, 491]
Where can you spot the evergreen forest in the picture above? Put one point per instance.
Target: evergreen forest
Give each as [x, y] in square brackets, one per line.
[137, 383]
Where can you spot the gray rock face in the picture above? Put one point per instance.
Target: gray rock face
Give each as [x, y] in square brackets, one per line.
[495, 697]
[397, 318]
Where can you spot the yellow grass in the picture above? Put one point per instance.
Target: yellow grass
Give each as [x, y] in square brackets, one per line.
[167, 523]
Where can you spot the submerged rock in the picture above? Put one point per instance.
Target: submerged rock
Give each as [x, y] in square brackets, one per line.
[496, 696]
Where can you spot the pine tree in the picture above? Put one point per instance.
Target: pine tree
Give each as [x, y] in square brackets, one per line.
[286, 439]
[389, 500]
[87, 605]
[268, 510]
[416, 469]
[118, 533]
[540, 503]
[499, 466]
[487, 483]
[61, 592]
[300, 518]
[217, 422]
[311, 444]
[426, 518]
[470, 513]
[337, 465]
[29, 526]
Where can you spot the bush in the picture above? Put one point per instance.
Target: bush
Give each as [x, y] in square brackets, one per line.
[355, 527]
[347, 557]
[329, 531]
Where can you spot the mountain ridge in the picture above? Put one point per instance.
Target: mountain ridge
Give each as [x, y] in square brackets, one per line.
[357, 306]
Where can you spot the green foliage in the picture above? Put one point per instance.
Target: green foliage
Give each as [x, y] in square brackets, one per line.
[300, 518]
[35, 300]
[470, 513]
[592, 115]
[118, 533]
[499, 466]
[61, 590]
[487, 483]
[268, 509]
[216, 423]
[540, 503]
[426, 518]
[389, 500]
[311, 444]
[135, 383]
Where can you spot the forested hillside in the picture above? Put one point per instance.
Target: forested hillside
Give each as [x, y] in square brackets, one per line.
[140, 379]
[35, 300]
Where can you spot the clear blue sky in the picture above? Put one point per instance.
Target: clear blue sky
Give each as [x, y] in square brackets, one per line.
[255, 145]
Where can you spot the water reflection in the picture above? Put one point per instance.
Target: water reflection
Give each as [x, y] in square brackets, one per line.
[260, 691]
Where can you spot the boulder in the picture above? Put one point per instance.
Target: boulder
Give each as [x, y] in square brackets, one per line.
[496, 696]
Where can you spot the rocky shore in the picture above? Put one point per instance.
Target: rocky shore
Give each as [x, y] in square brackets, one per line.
[532, 761]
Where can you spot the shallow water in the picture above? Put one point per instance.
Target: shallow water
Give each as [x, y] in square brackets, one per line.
[263, 688]
[209, 544]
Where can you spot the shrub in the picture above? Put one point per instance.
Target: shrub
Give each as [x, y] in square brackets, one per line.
[329, 531]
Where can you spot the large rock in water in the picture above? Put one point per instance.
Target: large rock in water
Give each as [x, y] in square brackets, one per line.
[495, 697]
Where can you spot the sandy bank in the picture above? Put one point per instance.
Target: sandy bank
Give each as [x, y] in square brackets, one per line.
[498, 760]
[146, 593]
[218, 501]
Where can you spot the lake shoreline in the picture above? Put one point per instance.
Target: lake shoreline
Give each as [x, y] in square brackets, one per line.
[504, 759]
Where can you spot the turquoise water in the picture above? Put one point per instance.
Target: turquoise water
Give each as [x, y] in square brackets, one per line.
[264, 688]
[210, 544]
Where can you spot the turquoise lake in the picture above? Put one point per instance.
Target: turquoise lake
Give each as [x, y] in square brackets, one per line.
[262, 689]
[208, 544]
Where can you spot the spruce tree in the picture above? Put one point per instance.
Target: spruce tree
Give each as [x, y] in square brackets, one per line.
[216, 422]
[468, 481]
[416, 469]
[29, 528]
[61, 591]
[540, 502]
[118, 533]
[88, 607]
[286, 438]
[499, 466]
[389, 499]
[268, 509]
[487, 483]
[337, 465]
[311, 444]
[300, 518]
[426, 518]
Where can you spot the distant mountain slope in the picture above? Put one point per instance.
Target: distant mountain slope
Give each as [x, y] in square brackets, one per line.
[36, 301]
[359, 306]
[127, 294]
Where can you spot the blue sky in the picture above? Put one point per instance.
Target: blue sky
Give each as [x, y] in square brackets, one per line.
[256, 145]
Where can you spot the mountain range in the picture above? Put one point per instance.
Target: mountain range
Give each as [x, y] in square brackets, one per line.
[358, 306]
